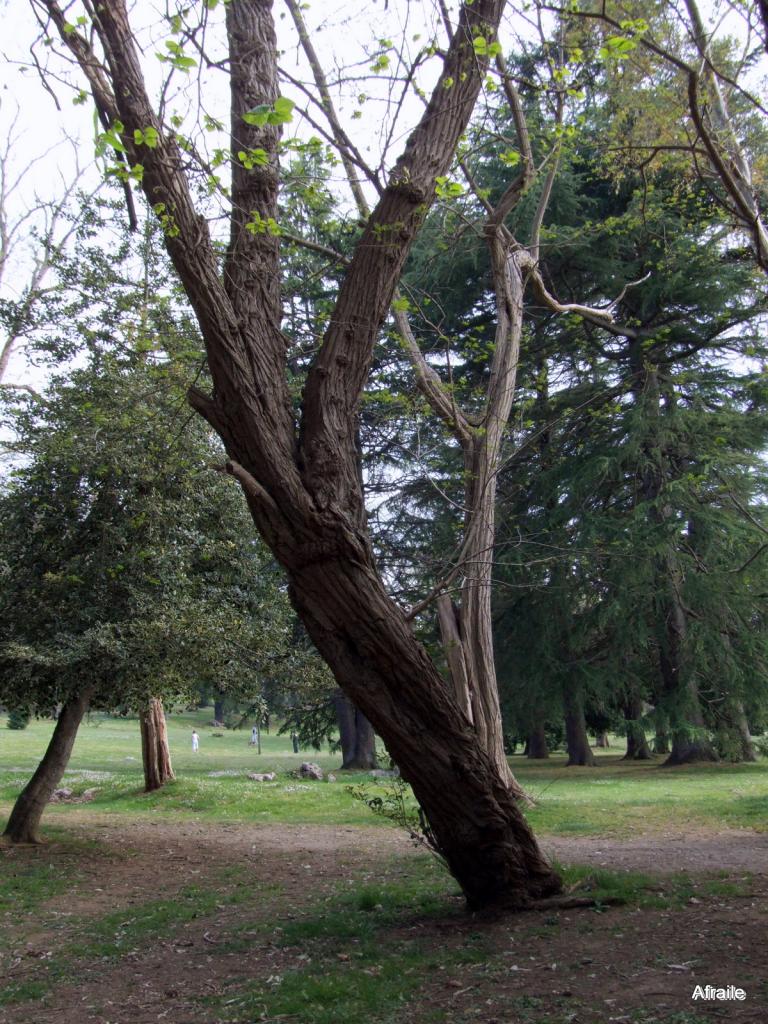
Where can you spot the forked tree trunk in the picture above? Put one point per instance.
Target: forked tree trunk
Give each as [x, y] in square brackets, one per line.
[537, 743]
[155, 753]
[601, 741]
[24, 822]
[302, 480]
[356, 735]
[467, 629]
[576, 738]
[473, 814]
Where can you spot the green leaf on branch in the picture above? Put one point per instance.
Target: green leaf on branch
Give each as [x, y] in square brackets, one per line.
[617, 47]
[259, 225]
[281, 112]
[447, 189]
[110, 139]
[511, 158]
[253, 158]
[148, 137]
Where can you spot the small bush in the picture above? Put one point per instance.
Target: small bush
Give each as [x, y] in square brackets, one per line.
[18, 718]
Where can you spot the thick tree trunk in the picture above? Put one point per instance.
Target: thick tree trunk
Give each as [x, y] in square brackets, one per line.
[356, 735]
[218, 710]
[536, 746]
[661, 734]
[27, 812]
[302, 480]
[155, 753]
[601, 741]
[576, 738]
[637, 742]
[473, 814]
[689, 748]
[690, 742]
[734, 739]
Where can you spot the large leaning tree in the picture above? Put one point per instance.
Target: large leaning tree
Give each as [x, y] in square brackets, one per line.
[300, 468]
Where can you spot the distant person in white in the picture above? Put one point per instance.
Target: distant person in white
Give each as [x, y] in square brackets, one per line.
[254, 737]
[195, 742]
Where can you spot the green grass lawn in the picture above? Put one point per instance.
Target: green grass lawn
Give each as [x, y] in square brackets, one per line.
[381, 935]
[614, 798]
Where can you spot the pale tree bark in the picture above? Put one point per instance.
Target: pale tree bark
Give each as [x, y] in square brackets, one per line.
[303, 489]
[467, 630]
[24, 823]
[155, 752]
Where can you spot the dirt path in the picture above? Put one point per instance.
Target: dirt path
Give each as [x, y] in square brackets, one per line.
[623, 966]
[663, 853]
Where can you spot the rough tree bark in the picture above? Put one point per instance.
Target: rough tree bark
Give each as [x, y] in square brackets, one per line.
[303, 487]
[466, 626]
[155, 753]
[24, 822]
[356, 735]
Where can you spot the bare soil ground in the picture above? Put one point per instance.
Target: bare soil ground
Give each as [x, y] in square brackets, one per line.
[565, 967]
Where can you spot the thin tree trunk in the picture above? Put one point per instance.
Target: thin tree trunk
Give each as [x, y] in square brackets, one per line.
[449, 620]
[356, 735]
[536, 746]
[637, 742]
[748, 752]
[24, 822]
[155, 753]
[576, 738]
[467, 631]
